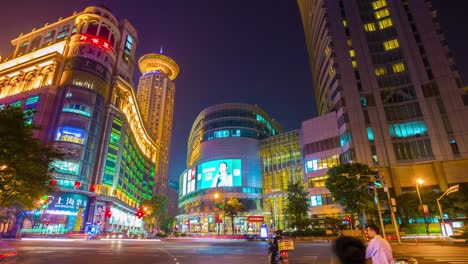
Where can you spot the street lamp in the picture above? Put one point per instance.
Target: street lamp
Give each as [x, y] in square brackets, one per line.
[216, 197]
[420, 182]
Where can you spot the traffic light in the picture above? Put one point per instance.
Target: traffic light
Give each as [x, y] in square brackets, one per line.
[378, 179]
[108, 213]
[47, 223]
[140, 214]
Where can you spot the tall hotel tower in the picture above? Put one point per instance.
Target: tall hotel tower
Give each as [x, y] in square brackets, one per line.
[77, 74]
[384, 67]
[155, 95]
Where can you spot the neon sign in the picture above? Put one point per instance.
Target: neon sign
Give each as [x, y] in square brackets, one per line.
[95, 41]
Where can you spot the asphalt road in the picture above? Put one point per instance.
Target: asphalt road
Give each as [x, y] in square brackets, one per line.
[202, 251]
[167, 251]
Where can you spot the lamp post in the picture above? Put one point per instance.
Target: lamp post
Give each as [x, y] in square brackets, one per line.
[420, 182]
[216, 197]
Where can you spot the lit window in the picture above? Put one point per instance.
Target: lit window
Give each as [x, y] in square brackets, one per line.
[316, 200]
[354, 63]
[352, 53]
[380, 71]
[391, 44]
[398, 67]
[369, 27]
[381, 13]
[385, 23]
[408, 129]
[77, 109]
[379, 4]
[350, 42]
[66, 167]
[331, 71]
[370, 134]
[327, 51]
[345, 23]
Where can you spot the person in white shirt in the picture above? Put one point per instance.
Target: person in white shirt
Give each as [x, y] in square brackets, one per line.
[378, 249]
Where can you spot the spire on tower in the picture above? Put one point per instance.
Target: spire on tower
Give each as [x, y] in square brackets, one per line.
[161, 50]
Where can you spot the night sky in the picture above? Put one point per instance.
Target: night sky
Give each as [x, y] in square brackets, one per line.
[250, 51]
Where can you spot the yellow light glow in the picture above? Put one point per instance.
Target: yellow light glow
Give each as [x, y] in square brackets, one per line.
[385, 23]
[380, 71]
[58, 47]
[398, 67]
[420, 181]
[369, 27]
[391, 44]
[381, 13]
[379, 4]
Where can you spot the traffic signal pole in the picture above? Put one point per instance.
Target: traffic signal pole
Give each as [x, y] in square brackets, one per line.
[395, 223]
[376, 197]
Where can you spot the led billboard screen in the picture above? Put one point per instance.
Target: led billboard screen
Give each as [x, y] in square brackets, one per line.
[219, 173]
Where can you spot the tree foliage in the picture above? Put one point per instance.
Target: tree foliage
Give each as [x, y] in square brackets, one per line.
[456, 204]
[168, 223]
[297, 206]
[349, 191]
[156, 209]
[24, 160]
[232, 208]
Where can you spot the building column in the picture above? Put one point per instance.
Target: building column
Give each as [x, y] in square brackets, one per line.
[440, 175]
[395, 180]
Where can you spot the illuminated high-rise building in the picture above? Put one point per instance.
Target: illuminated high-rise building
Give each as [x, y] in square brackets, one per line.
[384, 68]
[77, 73]
[156, 91]
[281, 165]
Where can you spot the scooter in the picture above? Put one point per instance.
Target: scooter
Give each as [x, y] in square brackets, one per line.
[280, 256]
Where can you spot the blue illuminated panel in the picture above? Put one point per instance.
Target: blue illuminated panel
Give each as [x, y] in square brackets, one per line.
[408, 129]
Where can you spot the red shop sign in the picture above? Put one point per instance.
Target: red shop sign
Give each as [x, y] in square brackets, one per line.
[254, 218]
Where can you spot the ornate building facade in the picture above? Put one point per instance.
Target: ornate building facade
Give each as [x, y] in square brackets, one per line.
[77, 74]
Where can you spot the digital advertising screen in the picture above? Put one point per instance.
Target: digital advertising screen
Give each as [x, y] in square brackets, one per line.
[219, 173]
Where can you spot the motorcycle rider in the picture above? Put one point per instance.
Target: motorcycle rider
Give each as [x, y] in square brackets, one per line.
[274, 245]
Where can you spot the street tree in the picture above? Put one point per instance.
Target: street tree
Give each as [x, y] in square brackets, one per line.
[25, 161]
[347, 184]
[168, 223]
[231, 208]
[297, 206]
[156, 210]
[457, 202]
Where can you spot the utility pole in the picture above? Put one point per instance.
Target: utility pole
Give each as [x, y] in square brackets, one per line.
[450, 190]
[376, 198]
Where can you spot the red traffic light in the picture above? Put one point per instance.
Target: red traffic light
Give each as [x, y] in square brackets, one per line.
[47, 223]
[108, 213]
[139, 214]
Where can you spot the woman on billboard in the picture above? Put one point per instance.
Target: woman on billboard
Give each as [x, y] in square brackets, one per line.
[223, 177]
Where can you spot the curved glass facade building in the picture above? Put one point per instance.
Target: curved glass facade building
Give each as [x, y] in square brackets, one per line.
[223, 161]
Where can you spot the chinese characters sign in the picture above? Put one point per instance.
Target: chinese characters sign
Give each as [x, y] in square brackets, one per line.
[67, 202]
[95, 41]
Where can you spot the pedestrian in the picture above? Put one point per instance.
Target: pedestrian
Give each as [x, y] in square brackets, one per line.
[378, 249]
[349, 250]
